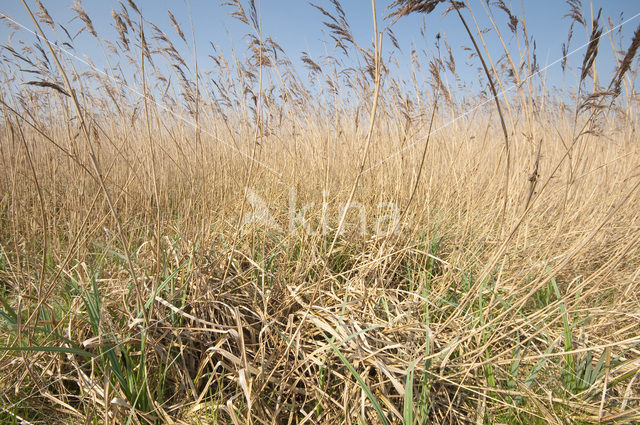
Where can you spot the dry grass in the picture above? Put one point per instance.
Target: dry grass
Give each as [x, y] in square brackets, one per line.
[131, 292]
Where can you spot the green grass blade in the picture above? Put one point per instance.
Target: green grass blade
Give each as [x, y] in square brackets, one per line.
[407, 414]
[53, 349]
[356, 375]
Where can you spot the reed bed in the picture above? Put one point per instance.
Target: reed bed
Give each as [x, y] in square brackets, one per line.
[233, 242]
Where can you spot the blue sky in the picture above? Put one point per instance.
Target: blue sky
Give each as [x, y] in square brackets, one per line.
[297, 27]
